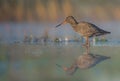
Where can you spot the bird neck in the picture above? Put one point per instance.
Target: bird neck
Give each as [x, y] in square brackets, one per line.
[73, 23]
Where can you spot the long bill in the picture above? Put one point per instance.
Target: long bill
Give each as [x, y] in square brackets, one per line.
[64, 68]
[59, 25]
[64, 22]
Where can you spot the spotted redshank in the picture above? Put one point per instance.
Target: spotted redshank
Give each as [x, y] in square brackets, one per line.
[85, 29]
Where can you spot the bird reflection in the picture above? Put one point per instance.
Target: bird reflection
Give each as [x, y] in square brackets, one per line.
[84, 61]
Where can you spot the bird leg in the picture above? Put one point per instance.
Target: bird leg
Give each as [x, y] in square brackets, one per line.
[87, 45]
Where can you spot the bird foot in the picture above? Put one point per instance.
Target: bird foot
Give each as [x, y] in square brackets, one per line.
[86, 53]
[84, 45]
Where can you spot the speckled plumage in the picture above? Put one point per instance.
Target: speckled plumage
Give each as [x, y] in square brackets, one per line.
[88, 30]
[85, 29]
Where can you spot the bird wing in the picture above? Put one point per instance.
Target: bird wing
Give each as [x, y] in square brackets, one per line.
[97, 31]
[90, 29]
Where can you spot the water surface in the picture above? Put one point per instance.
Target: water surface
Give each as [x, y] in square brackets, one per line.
[27, 62]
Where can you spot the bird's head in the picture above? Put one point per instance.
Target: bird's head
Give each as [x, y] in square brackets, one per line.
[70, 70]
[69, 19]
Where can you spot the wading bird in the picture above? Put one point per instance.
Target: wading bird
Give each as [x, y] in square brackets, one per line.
[85, 29]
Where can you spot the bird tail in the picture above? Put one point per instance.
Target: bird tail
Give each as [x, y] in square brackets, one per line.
[103, 33]
[107, 32]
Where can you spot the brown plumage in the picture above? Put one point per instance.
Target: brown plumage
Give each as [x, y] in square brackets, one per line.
[84, 61]
[85, 29]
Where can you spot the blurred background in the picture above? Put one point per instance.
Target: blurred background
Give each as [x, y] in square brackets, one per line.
[31, 46]
[20, 19]
[52, 10]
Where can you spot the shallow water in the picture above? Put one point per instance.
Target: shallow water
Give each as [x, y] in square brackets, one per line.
[19, 62]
